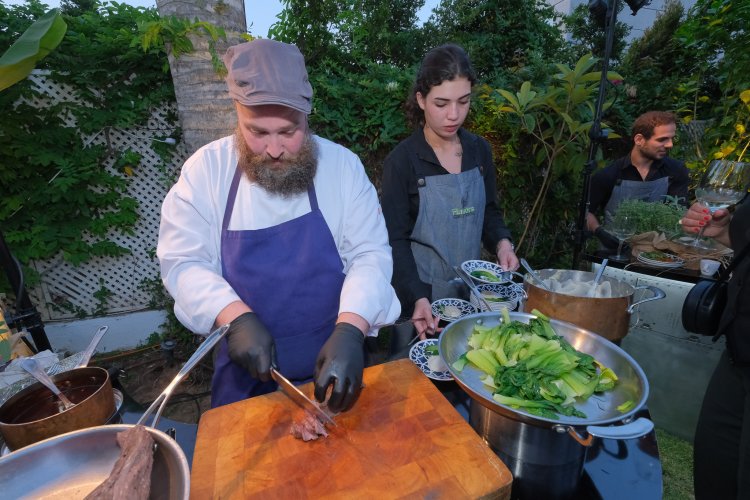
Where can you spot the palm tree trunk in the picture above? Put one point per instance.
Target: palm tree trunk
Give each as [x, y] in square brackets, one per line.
[205, 111]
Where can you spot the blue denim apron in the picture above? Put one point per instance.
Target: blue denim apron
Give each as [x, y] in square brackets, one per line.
[291, 276]
[448, 230]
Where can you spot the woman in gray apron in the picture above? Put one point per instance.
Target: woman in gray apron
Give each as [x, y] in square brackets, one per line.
[438, 195]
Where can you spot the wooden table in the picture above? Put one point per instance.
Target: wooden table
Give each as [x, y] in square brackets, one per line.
[402, 439]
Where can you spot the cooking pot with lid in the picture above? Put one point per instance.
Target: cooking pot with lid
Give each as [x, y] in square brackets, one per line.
[546, 455]
[606, 316]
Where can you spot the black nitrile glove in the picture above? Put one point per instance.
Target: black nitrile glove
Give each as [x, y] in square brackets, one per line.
[607, 239]
[340, 362]
[251, 346]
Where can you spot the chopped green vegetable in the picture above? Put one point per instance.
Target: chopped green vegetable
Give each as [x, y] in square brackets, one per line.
[529, 366]
[431, 350]
[460, 363]
[626, 406]
[485, 275]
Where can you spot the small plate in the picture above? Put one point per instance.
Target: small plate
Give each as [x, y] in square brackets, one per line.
[482, 271]
[675, 262]
[452, 309]
[420, 358]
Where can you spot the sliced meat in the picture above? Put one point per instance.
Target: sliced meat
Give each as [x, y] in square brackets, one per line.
[308, 427]
[131, 475]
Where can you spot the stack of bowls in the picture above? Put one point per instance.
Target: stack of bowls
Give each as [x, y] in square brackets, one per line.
[498, 295]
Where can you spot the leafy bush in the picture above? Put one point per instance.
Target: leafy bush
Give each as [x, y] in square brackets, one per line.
[58, 197]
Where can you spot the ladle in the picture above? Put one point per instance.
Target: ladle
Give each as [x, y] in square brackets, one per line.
[534, 274]
[92, 346]
[31, 366]
[598, 278]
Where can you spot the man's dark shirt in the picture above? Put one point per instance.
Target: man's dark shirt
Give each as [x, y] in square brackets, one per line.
[604, 180]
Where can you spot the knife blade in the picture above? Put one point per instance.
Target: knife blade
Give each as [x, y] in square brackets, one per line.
[299, 398]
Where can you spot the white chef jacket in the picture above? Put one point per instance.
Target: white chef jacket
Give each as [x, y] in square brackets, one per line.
[189, 247]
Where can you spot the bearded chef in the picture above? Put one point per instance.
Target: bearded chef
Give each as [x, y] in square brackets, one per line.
[279, 233]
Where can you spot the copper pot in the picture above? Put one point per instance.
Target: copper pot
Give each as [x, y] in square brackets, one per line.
[608, 317]
[34, 413]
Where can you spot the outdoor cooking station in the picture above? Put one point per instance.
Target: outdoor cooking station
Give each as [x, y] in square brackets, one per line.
[407, 436]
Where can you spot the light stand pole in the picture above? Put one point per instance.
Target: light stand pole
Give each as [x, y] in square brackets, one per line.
[596, 134]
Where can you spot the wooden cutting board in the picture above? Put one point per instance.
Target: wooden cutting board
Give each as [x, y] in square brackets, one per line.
[401, 439]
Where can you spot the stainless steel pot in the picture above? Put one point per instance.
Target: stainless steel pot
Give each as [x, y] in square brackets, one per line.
[71, 465]
[546, 456]
[608, 317]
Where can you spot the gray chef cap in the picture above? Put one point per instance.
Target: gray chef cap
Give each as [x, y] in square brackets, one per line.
[268, 72]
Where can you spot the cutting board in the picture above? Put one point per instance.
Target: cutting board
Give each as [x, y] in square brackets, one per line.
[401, 439]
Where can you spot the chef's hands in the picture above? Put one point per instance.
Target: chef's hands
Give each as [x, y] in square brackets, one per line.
[424, 322]
[340, 363]
[251, 346]
[506, 256]
[715, 226]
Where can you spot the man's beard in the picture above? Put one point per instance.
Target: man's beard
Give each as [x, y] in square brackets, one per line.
[286, 176]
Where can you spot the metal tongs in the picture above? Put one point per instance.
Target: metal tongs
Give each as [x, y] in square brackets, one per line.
[161, 400]
[467, 279]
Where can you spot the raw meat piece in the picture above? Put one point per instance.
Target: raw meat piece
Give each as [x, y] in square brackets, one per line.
[308, 427]
[130, 478]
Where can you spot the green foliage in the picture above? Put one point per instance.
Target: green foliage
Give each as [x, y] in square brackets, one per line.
[58, 195]
[376, 124]
[33, 45]
[588, 36]
[173, 34]
[353, 33]
[717, 32]
[655, 64]
[544, 136]
[501, 36]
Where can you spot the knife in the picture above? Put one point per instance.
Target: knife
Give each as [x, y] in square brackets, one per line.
[299, 398]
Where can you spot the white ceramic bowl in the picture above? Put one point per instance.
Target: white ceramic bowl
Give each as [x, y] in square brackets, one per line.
[485, 272]
[452, 309]
[498, 295]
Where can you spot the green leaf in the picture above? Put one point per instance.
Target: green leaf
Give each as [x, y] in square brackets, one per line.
[33, 45]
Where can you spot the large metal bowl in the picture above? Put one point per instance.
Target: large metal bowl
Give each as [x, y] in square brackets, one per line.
[600, 409]
[71, 465]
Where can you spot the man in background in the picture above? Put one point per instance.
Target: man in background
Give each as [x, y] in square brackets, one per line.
[646, 173]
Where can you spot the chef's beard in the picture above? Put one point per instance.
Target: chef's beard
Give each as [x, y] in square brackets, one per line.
[286, 176]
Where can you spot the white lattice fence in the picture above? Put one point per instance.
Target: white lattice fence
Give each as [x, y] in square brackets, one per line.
[122, 277]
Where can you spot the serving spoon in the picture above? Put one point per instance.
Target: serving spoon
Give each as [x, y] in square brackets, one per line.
[598, 278]
[31, 366]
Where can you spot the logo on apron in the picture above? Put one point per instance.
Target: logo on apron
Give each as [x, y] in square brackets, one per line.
[462, 212]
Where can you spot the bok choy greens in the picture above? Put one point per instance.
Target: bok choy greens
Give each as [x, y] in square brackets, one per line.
[529, 366]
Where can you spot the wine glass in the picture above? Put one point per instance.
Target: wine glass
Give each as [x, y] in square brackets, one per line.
[622, 228]
[723, 184]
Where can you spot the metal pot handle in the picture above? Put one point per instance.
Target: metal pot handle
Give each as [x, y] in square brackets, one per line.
[636, 429]
[658, 294]
[161, 399]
